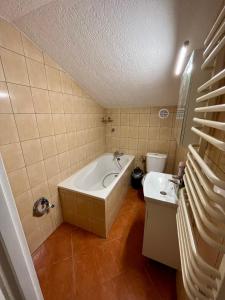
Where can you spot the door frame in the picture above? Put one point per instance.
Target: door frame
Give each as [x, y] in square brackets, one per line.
[15, 243]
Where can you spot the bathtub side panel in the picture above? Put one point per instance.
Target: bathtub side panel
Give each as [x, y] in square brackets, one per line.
[116, 198]
[83, 211]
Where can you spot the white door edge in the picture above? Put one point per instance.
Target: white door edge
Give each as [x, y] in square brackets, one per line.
[15, 242]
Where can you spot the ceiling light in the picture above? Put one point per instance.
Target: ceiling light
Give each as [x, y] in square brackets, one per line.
[181, 58]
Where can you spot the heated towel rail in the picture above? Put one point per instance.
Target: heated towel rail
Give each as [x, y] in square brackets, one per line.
[201, 210]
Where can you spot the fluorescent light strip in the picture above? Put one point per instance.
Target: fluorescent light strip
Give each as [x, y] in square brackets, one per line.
[181, 59]
[3, 95]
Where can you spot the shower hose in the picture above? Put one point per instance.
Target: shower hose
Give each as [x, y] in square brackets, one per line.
[112, 173]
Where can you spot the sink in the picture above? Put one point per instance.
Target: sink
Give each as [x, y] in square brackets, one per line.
[157, 187]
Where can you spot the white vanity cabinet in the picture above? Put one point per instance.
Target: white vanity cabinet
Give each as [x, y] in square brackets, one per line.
[160, 232]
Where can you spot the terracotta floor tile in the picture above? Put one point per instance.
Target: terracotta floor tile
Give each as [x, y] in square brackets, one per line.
[56, 248]
[57, 281]
[74, 264]
[86, 272]
[163, 277]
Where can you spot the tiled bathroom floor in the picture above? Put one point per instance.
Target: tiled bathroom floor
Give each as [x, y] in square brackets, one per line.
[74, 264]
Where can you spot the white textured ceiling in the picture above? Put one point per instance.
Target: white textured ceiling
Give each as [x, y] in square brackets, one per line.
[121, 51]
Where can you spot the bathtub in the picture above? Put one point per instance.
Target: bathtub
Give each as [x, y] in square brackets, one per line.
[92, 197]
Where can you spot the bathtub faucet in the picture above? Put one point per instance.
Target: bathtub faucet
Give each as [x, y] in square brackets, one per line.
[117, 154]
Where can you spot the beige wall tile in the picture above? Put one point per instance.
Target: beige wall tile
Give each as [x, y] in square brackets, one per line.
[32, 151]
[52, 184]
[40, 190]
[2, 76]
[30, 225]
[165, 133]
[8, 129]
[133, 119]
[133, 143]
[61, 142]
[36, 72]
[51, 166]
[14, 66]
[59, 123]
[12, 156]
[76, 90]
[5, 105]
[30, 50]
[133, 132]
[64, 161]
[154, 120]
[34, 239]
[143, 133]
[21, 98]
[48, 146]
[69, 122]
[124, 119]
[67, 103]
[45, 124]
[153, 133]
[53, 78]
[24, 203]
[66, 83]
[10, 37]
[27, 126]
[19, 181]
[36, 174]
[56, 102]
[50, 62]
[46, 226]
[144, 120]
[41, 100]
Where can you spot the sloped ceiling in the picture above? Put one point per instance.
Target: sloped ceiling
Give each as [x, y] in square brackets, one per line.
[122, 52]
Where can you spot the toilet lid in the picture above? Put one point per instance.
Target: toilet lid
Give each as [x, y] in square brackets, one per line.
[159, 155]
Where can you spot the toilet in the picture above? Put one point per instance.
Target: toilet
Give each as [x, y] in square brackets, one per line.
[155, 162]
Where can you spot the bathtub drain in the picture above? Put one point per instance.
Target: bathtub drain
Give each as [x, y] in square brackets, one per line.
[103, 180]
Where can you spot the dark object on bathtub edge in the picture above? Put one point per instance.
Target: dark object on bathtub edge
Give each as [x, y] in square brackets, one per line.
[136, 178]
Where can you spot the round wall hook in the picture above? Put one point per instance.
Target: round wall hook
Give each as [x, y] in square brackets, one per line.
[41, 207]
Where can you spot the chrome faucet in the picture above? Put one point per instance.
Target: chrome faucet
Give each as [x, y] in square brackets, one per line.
[175, 181]
[117, 154]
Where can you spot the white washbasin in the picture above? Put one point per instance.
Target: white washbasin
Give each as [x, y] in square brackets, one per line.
[157, 187]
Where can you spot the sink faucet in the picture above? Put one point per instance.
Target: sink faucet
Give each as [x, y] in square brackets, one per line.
[178, 183]
[175, 181]
[117, 154]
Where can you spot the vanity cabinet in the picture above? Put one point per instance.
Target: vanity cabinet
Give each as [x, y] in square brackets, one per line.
[160, 233]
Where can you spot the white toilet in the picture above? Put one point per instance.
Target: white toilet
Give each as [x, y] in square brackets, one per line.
[155, 162]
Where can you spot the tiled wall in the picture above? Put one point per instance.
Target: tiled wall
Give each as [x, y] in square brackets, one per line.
[140, 130]
[48, 128]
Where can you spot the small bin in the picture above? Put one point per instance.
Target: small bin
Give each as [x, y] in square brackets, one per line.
[136, 178]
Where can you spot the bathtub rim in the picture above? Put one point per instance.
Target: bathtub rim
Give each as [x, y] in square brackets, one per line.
[95, 194]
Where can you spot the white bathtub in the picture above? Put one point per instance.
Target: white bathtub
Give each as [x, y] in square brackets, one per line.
[92, 197]
[89, 180]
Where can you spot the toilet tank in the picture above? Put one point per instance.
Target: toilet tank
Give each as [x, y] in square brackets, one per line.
[155, 162]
